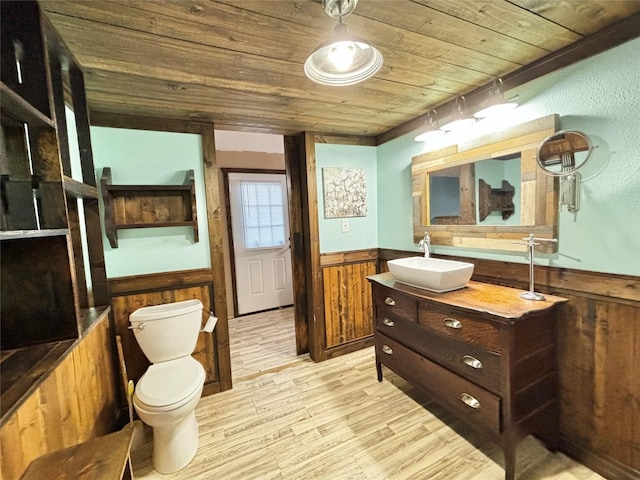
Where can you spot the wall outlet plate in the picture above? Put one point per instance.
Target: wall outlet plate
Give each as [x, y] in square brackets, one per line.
[345, 225]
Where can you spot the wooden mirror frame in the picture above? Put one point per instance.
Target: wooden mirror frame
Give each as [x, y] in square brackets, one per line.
[538, 192]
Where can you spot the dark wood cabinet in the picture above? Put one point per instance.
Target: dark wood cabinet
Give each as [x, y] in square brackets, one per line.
[47, 212]
[482, 352]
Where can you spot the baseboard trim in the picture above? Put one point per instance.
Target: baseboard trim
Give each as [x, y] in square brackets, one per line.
[349, 347]
[602, 464]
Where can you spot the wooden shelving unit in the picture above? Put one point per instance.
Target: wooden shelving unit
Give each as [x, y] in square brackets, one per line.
[148, 206]
[43, 289]
[495, 199]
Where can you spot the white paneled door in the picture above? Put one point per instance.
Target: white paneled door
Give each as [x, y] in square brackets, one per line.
[260, 228]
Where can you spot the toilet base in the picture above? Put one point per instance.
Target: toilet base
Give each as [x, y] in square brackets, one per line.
[175, 445]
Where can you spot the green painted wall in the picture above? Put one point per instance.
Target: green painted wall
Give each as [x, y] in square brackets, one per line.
[153, 158]
[363, 231]
[598, 96]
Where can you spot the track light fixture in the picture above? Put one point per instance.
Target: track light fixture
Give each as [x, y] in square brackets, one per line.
[344, 59]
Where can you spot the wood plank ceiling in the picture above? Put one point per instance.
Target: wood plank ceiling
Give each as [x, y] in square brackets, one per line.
[239, 63]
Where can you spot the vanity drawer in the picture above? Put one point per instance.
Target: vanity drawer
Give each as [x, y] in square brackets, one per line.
[460, 396]
[394, 303]
[475, 363]
[394, 326]
[460, 326]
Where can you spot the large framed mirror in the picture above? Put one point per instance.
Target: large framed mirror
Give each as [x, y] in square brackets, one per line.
[486, 192]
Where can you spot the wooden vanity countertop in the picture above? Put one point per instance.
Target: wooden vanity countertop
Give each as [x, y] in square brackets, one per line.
[500, 303]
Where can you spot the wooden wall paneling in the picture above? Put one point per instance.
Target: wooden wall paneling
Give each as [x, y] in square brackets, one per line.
[598, 365]
[333, 306]
[11, 454]
[215, 210]
[598, 370]
[75, 403]
[294, 151]
[205, 351]
[347, 296]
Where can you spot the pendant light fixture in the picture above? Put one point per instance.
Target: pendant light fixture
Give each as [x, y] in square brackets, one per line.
[343, 59]
[429, 131]
[495, 104]
[459, 118]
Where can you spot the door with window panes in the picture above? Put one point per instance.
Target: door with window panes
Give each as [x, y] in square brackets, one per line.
[260, 232]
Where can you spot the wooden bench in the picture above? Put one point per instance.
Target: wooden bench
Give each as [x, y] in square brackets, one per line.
[103, 458]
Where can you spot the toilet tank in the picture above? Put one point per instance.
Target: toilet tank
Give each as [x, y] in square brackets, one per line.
[168, 331]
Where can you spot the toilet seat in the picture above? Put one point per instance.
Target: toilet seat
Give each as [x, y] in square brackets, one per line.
[168, 385]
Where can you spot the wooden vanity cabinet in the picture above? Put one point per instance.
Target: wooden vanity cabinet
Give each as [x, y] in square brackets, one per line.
[482, 352]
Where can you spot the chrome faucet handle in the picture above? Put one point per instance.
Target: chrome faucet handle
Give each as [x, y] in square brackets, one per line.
[425, 244]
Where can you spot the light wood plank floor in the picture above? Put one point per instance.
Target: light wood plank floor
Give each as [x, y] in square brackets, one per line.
[294, 419]
[262, 342]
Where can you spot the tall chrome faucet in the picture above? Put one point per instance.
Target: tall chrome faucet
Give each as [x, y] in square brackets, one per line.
[425, 244]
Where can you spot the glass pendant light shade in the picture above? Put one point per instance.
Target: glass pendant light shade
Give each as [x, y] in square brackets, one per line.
[429, 131]
[343, 60]
[430, 136]
[495, 104]
[459, 119]
[497, 108]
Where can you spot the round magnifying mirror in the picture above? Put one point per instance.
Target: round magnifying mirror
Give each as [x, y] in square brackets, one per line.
[564, 152]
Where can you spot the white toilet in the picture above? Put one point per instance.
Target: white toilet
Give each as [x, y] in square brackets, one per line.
[167, 394]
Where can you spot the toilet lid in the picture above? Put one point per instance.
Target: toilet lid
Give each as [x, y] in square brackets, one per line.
[167, 383]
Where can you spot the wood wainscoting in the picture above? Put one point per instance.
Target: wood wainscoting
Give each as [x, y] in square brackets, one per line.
[598, 358]
[130, 293]
[348, 308]
[76, 401]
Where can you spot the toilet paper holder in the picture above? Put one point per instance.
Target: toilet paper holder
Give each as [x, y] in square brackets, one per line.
[211, 322]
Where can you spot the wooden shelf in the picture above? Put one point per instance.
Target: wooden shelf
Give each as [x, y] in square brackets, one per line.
[147, 206]
[16, 107]
[186, 223]
[24, 234]
[76, 189]
[149, 188]
[495, 199]
[24, 369]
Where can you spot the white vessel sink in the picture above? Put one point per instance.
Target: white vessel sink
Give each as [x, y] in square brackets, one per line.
[432, 274]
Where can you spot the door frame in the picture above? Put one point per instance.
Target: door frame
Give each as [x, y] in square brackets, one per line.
[227, 206]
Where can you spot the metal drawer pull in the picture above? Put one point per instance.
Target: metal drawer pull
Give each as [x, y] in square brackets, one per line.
[452, 323]
[387, 349]
[388, 322]
[470, 400]
[390, 301]
[472, 361]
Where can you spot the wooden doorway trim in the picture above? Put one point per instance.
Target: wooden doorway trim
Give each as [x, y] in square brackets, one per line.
[213, 192]
[295, 165]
